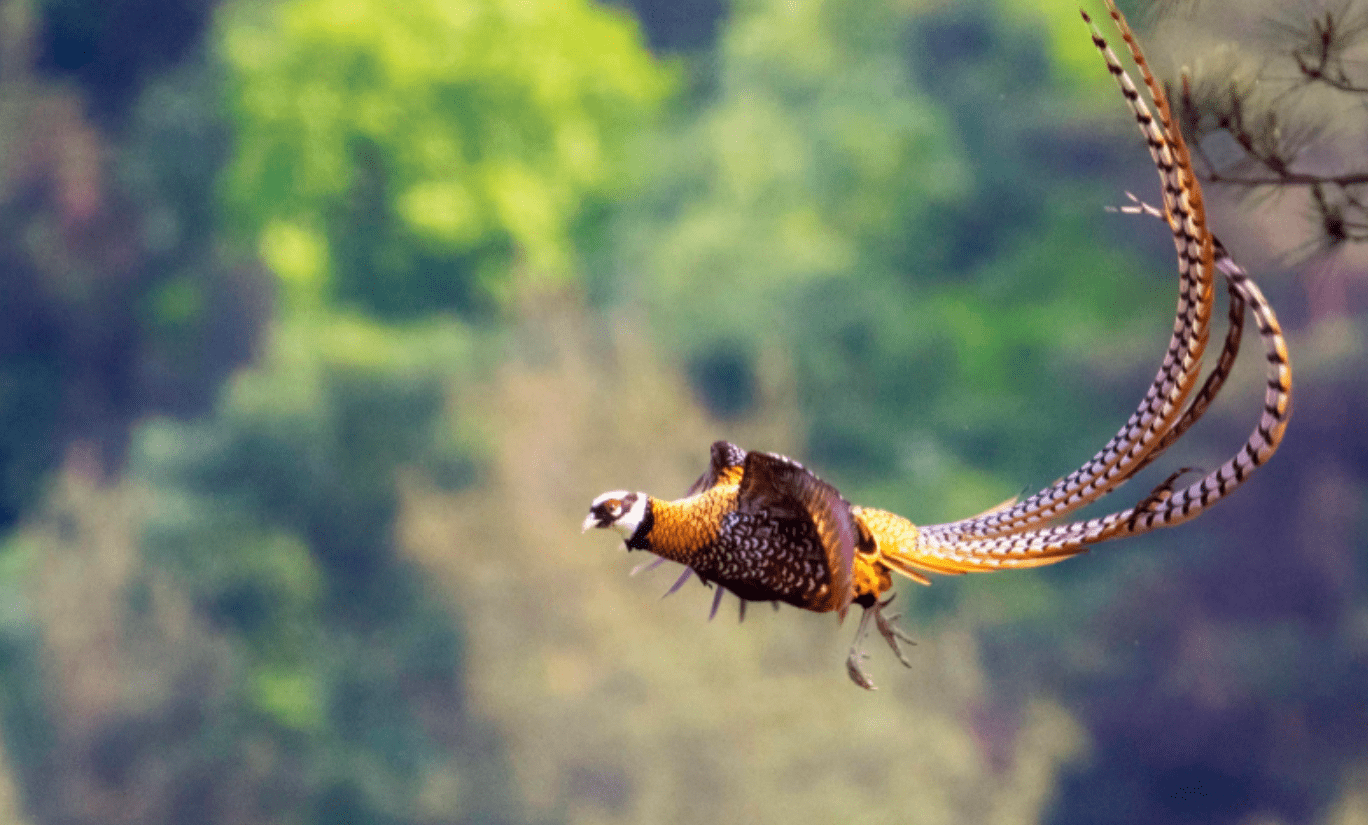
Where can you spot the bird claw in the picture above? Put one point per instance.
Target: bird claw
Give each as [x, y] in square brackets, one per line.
[891, 633]
[856, 672]
[857, 655]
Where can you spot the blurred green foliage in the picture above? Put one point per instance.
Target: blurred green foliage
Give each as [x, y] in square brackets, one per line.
[857, 192]
[814, 158]
[277, 516]
[119, 298]
[323, 319]
[404, 160]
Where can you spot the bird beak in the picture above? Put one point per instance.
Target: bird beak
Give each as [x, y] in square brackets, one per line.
[589, 521]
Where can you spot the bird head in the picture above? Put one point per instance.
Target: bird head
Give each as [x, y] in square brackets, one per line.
[620, 510]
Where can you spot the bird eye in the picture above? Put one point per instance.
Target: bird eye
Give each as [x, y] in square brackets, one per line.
[614, 506]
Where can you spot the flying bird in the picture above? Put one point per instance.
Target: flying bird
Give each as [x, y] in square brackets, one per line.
[765, 528]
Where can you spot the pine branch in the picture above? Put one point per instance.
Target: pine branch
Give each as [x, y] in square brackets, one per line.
[1271, 133]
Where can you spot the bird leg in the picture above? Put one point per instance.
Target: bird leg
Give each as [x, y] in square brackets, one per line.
[891, 633]
[857, 654]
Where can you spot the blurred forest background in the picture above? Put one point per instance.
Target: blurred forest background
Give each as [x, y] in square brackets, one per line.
[324, 320]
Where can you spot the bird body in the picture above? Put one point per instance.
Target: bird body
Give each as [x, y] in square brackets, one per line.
[770, 548]
[763, 527]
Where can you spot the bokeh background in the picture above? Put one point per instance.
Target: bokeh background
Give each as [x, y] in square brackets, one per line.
[322, 321]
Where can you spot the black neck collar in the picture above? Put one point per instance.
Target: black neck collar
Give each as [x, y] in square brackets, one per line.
[640, 539]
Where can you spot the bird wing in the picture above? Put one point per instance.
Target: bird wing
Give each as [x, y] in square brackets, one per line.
[782, 487]
[724, 467]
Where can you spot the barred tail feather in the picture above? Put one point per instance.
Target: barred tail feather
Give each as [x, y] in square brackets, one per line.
[1164, 507]
[1262, 443]
[1146, 433]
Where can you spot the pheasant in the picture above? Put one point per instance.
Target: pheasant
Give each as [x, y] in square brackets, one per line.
[765, 528]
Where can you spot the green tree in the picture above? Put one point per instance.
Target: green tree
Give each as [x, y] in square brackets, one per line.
[107, 233]
[276, 516]
[877, 193]
[404, 158]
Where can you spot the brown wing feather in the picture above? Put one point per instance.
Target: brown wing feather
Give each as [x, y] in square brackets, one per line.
[778, 485]
[724, 467]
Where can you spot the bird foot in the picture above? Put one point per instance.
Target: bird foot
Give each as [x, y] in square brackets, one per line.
[891, 633]
[856, 672]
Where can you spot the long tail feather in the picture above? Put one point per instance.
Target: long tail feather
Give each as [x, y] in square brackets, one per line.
[1164, 507]
[1160, 409]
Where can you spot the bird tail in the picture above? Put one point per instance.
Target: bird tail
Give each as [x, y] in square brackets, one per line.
[1165, 506]
[1146, 434]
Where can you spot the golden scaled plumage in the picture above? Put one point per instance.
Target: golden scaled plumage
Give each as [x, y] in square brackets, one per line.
[683, 526]
[762, 527]
[765, 528]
